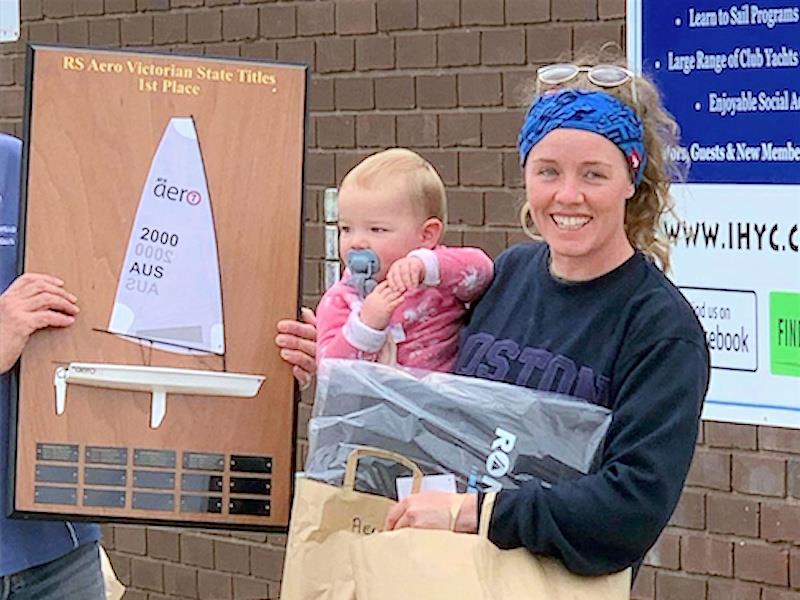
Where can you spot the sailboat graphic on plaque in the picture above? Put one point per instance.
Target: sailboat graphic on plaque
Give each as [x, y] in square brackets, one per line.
[169, 293]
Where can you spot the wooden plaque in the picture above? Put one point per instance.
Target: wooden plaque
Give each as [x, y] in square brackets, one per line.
[166, 191]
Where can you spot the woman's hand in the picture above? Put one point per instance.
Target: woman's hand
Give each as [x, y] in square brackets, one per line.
[431, 510]
[298, 343]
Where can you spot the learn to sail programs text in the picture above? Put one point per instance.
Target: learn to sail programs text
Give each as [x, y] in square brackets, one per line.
[171, 78]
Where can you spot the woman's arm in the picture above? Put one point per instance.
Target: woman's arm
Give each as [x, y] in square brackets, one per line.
[606, 521]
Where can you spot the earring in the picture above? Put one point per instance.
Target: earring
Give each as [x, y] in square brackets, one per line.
[525, 218]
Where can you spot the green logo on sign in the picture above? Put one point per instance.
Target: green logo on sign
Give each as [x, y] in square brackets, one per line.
[784, 333]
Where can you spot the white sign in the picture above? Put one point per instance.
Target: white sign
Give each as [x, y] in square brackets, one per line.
[9, 20]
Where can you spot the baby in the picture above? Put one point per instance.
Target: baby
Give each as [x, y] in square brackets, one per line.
[394, 204]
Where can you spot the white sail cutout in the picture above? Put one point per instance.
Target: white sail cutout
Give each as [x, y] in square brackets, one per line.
[169, 293]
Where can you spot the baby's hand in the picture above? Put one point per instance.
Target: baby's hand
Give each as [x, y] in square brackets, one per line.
[406, 274]
[379, 305]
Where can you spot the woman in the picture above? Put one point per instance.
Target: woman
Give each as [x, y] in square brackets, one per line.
[589, 313]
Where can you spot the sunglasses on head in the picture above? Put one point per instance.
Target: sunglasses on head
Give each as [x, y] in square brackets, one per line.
[604, 76]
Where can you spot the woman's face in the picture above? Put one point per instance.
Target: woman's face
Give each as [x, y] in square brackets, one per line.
[577, 183]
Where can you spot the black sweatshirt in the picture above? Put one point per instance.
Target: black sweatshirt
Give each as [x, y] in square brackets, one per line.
[628, 341]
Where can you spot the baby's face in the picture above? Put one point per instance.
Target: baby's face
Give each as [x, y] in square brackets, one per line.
[383, 220]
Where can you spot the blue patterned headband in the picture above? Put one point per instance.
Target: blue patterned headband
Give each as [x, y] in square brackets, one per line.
[590, 111]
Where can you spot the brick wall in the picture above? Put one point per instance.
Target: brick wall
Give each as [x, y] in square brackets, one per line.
[442, 77]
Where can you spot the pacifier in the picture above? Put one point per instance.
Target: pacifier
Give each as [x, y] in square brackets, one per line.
[363, 266]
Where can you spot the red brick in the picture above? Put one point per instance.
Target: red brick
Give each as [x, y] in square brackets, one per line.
[73, 33]
[733, 515]
[512, 174]
[232, 556]
[761, 563]
[591, 37]
[611, 9]
[780, 522]
[395, 92]
[315, 18]
[277, 21]
[145, 5]
[373, 53]
[345, 161]
[691, 510]
[163, 543]
[301, 51]
[130, 539]
[122, 566]
[710, 469]
[793, 477]
[575, 10]
[43, 33]
[205, 26]
[320, 171]
[459, 48]
[260, 49]
[764, 475]
[445, 162]
[480, 89]
[180, 580]
[115, 6]
[644, 586]
[518, 88]
[376, 130]
[549, 43]
[453, 238]
[502, 208]
[416, 51]
[54, 9]
[197, 550]
[666, 553]
[779, 439]
[727, 589]
[335, 55]
[491, 242]
[247, 587]
[170, 28]
[214, 586]
[775, 594]
[459, 129]
[137, 30]
[673, 586]
[794, 568]
[706, 555]
[527, 11]
[336, 131]
[397, 14]
[464, 207]
[32, 10]
[267, 562]
[501, 128]
[480, 12]
[222, 49]
[355, 16]
[438, 14]
[436, 91]
[322, 94]
[147, 574]
[730, 435]
[354, 94]
[503, 47]
[240, 23]
[480, 167]
[417, 131]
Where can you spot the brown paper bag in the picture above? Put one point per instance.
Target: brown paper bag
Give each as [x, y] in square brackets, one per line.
[437, 564]
[325, 520]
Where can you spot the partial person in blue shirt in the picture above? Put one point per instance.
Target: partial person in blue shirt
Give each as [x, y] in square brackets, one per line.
[39, 559]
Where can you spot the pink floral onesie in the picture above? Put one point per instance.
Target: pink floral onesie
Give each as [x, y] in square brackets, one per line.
[423, 330]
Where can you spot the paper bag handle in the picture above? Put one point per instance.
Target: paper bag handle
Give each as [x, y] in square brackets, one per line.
[486, 514]
[355, 455]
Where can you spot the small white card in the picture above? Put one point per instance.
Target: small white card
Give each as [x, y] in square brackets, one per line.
[430, 483]
[9, 20]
